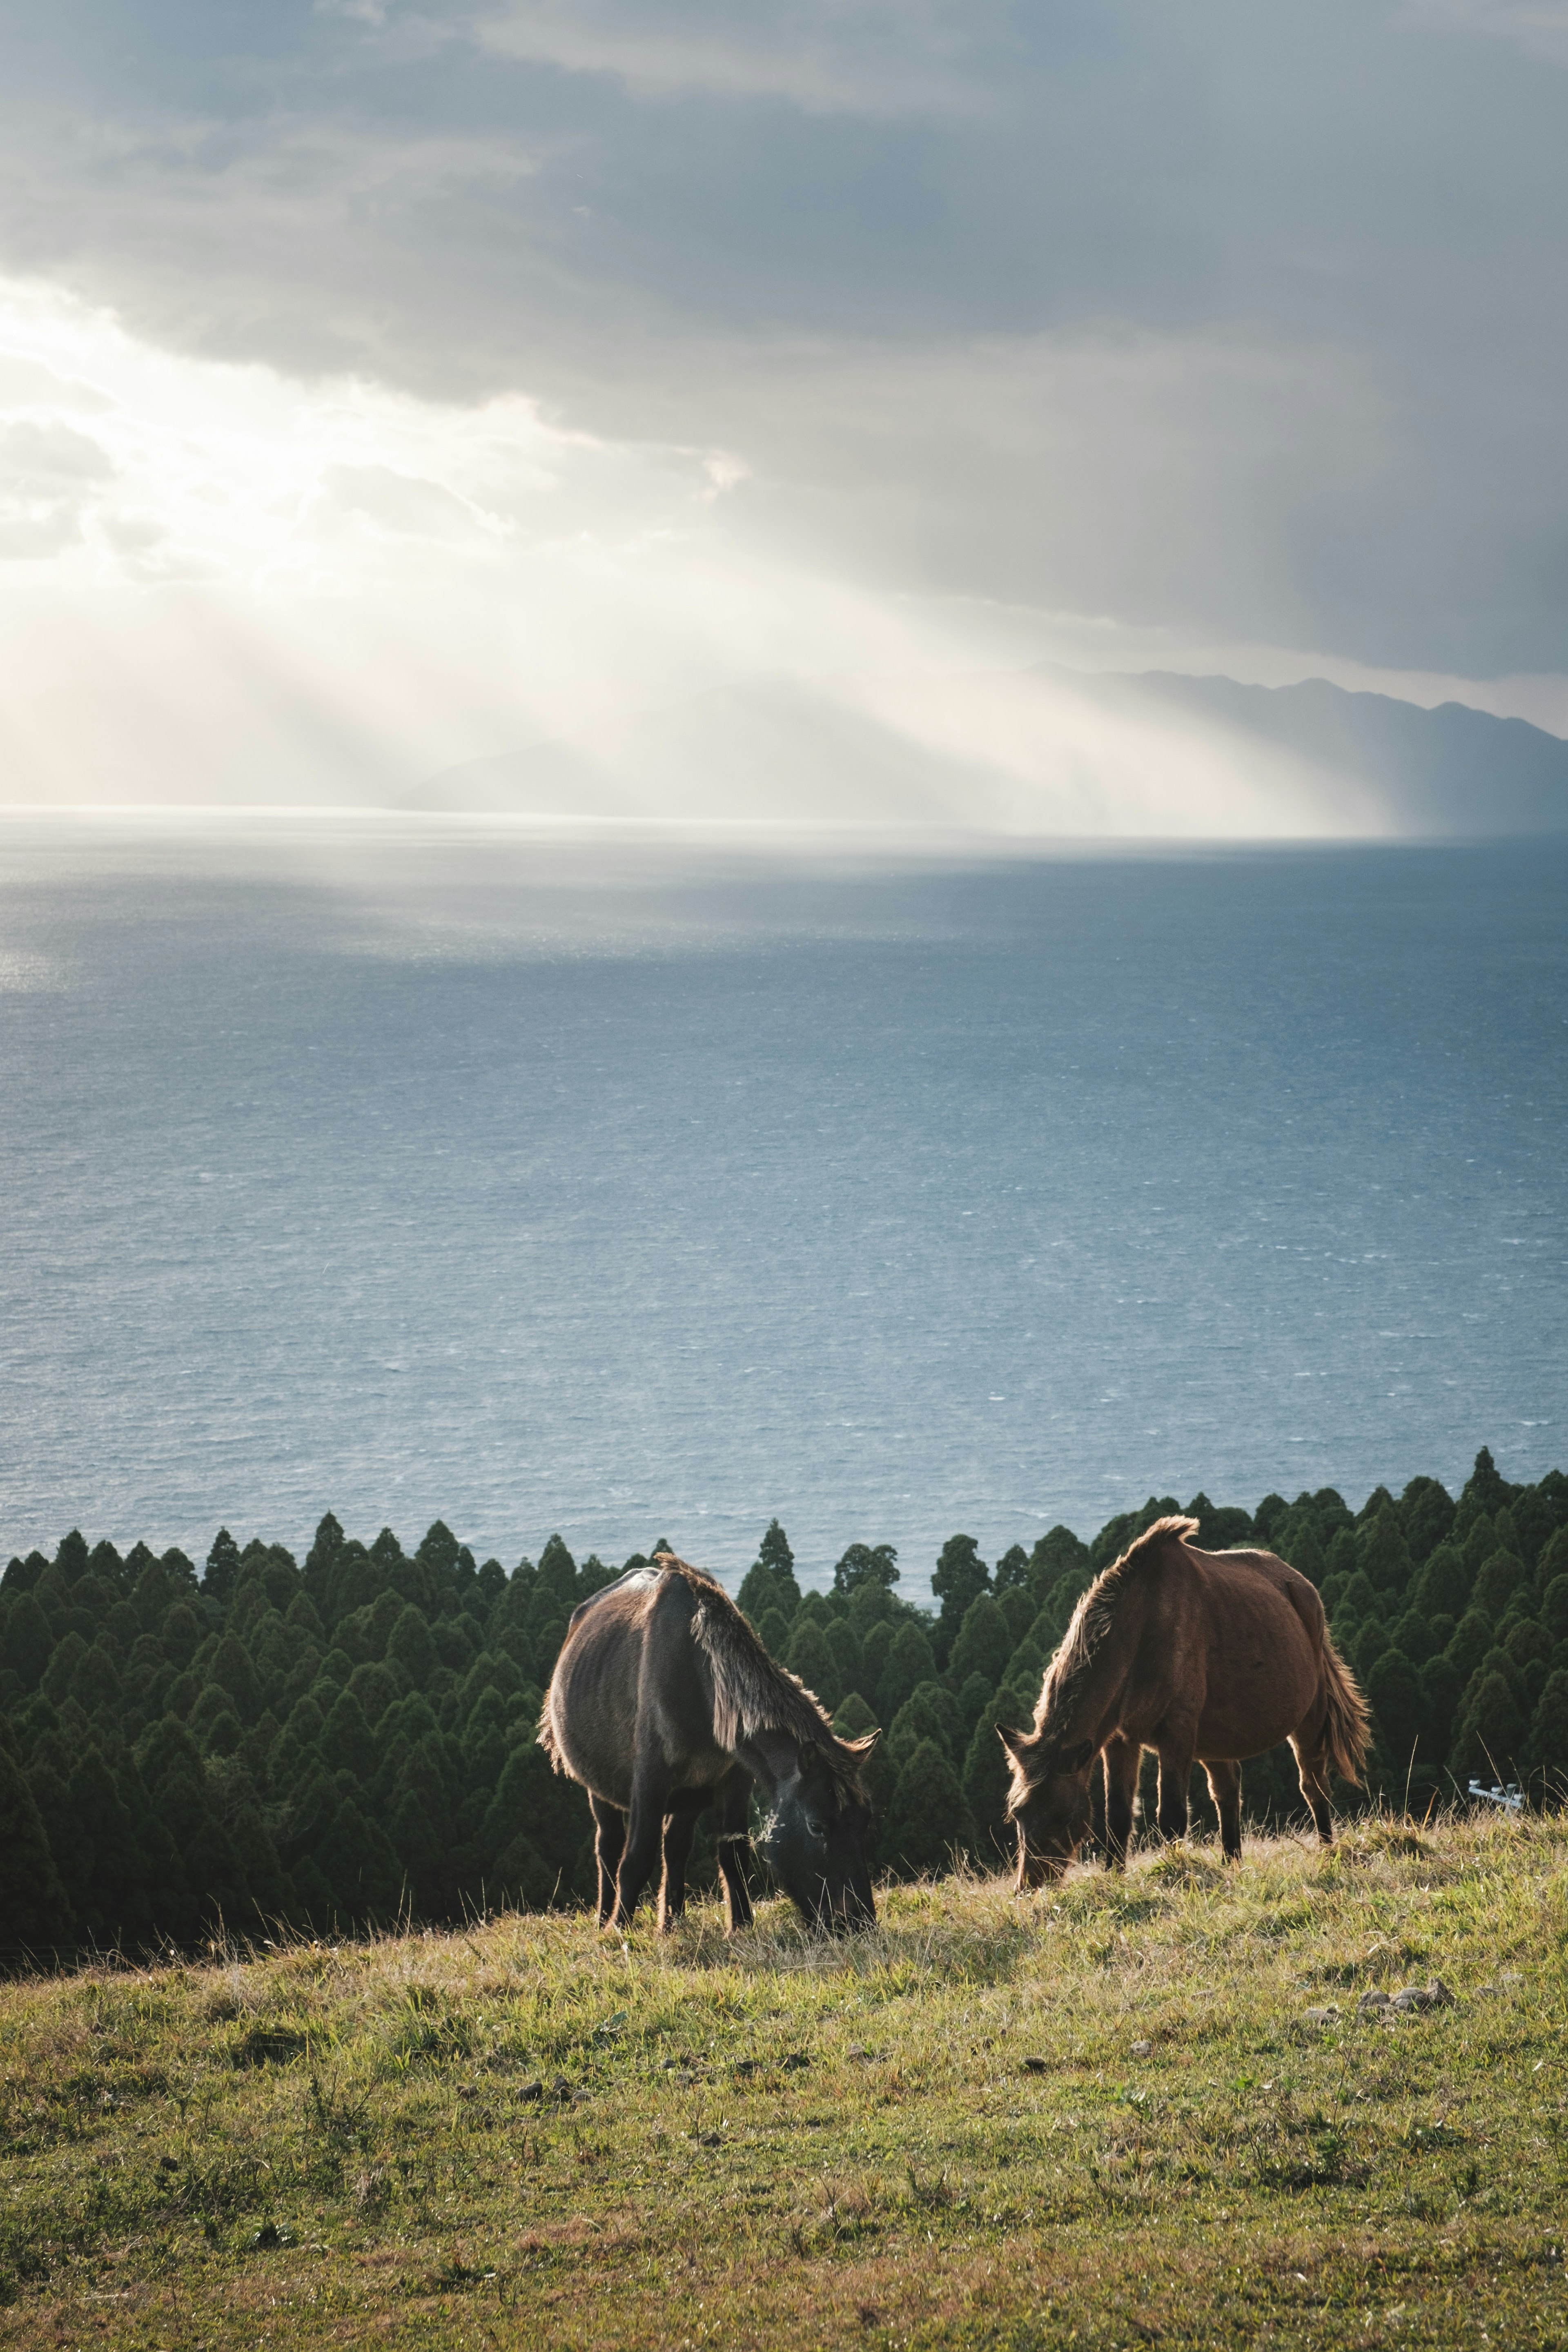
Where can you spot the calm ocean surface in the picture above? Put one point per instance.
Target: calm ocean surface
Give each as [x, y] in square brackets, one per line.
[414, 1169]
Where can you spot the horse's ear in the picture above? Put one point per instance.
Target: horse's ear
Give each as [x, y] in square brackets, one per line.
[864, 1744]
[1015, 1742]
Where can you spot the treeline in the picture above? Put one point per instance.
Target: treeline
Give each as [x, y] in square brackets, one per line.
[351, 1740]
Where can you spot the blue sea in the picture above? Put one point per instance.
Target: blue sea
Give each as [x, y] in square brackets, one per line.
[642, 1187]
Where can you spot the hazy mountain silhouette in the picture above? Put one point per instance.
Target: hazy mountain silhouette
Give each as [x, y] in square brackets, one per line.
[1449, 771]
[1041, 752]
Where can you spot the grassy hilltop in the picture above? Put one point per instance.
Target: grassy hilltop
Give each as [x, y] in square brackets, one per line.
[1143, 2111]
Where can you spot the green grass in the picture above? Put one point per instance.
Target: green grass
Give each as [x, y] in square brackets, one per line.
[935, 2135]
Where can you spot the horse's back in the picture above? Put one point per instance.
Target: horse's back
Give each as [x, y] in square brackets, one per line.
[1265, 1634]
[1242, 1575]
[628, 1679]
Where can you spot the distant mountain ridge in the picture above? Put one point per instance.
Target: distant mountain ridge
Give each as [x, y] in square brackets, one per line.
[1042, 752]
[1463, 771]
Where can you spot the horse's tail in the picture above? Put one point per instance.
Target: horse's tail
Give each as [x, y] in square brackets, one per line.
[1347, 1723]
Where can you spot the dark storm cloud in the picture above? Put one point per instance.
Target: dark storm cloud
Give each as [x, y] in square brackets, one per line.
[1243, 318]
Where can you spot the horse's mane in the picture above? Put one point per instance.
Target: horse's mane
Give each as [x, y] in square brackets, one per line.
[1067, 1676]
[752, 1692]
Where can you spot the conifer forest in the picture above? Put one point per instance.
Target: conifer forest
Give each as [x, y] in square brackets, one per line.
[267, 1744]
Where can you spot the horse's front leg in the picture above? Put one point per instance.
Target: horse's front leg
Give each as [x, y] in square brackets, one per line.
[1121, 1760]
[609, 1841]
[679, 1829]
[645, 1839]
[1225, 1788]
[734, 1837]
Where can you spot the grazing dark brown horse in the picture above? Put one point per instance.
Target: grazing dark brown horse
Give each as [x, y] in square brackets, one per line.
[663, 1702]
[1212, 1655]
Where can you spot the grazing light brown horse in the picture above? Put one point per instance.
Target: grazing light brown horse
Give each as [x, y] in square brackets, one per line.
[1212, 1655]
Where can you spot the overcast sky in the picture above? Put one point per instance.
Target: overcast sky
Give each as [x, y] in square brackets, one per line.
[383, 385]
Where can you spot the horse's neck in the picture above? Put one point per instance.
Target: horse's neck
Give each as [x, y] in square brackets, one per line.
[1091, 1715]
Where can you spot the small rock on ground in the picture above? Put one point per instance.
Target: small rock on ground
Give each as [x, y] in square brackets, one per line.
[1325, 2016]
[1141, 2048]
[1434, 1995]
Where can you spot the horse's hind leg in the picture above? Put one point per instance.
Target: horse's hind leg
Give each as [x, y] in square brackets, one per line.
[1225, 1788]
[679, 1829]
[609, 1840]
[1312, 1772]
[1120, 1760]
[1175, 1772]
[644, 1838]
[733, 1838]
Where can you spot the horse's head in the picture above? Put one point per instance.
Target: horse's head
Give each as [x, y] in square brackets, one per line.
[1049, 1801]
[814, 1839]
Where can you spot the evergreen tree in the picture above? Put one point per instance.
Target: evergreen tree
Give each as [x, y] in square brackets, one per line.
[1443, 1586]
[909, 1662]
[35, 1918]
[1500, 1575]
[1011, 1573]
[1545, 1753]
[26, 1644]
[223, 1566]
[1555, 1607]
[773, 1551]
[1486, 1490]
[438, 1548]
[1415, 1635]
[866, 1564]
[848, 1658]
[809, 1657]
[410, 1648]
[1490, 1742]
[927, 1714]
[1394, 1692]
[987, 1780]
[959, 1578]
[928, 1821]
[95, 1685]
[231, 1668]
[60, 1672]
[770, 1582]
[773, 1632]
[347, 1743]
[853, 1718]
[486, 1743]
[1427, 1514]
[359, 1865]
[1442, 1693]
[1058, 1553]
[1269, 1519]
[973, 1698]
[1382, 1552]
[983, 1645]
[70, 1561]
[1219, 1529]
